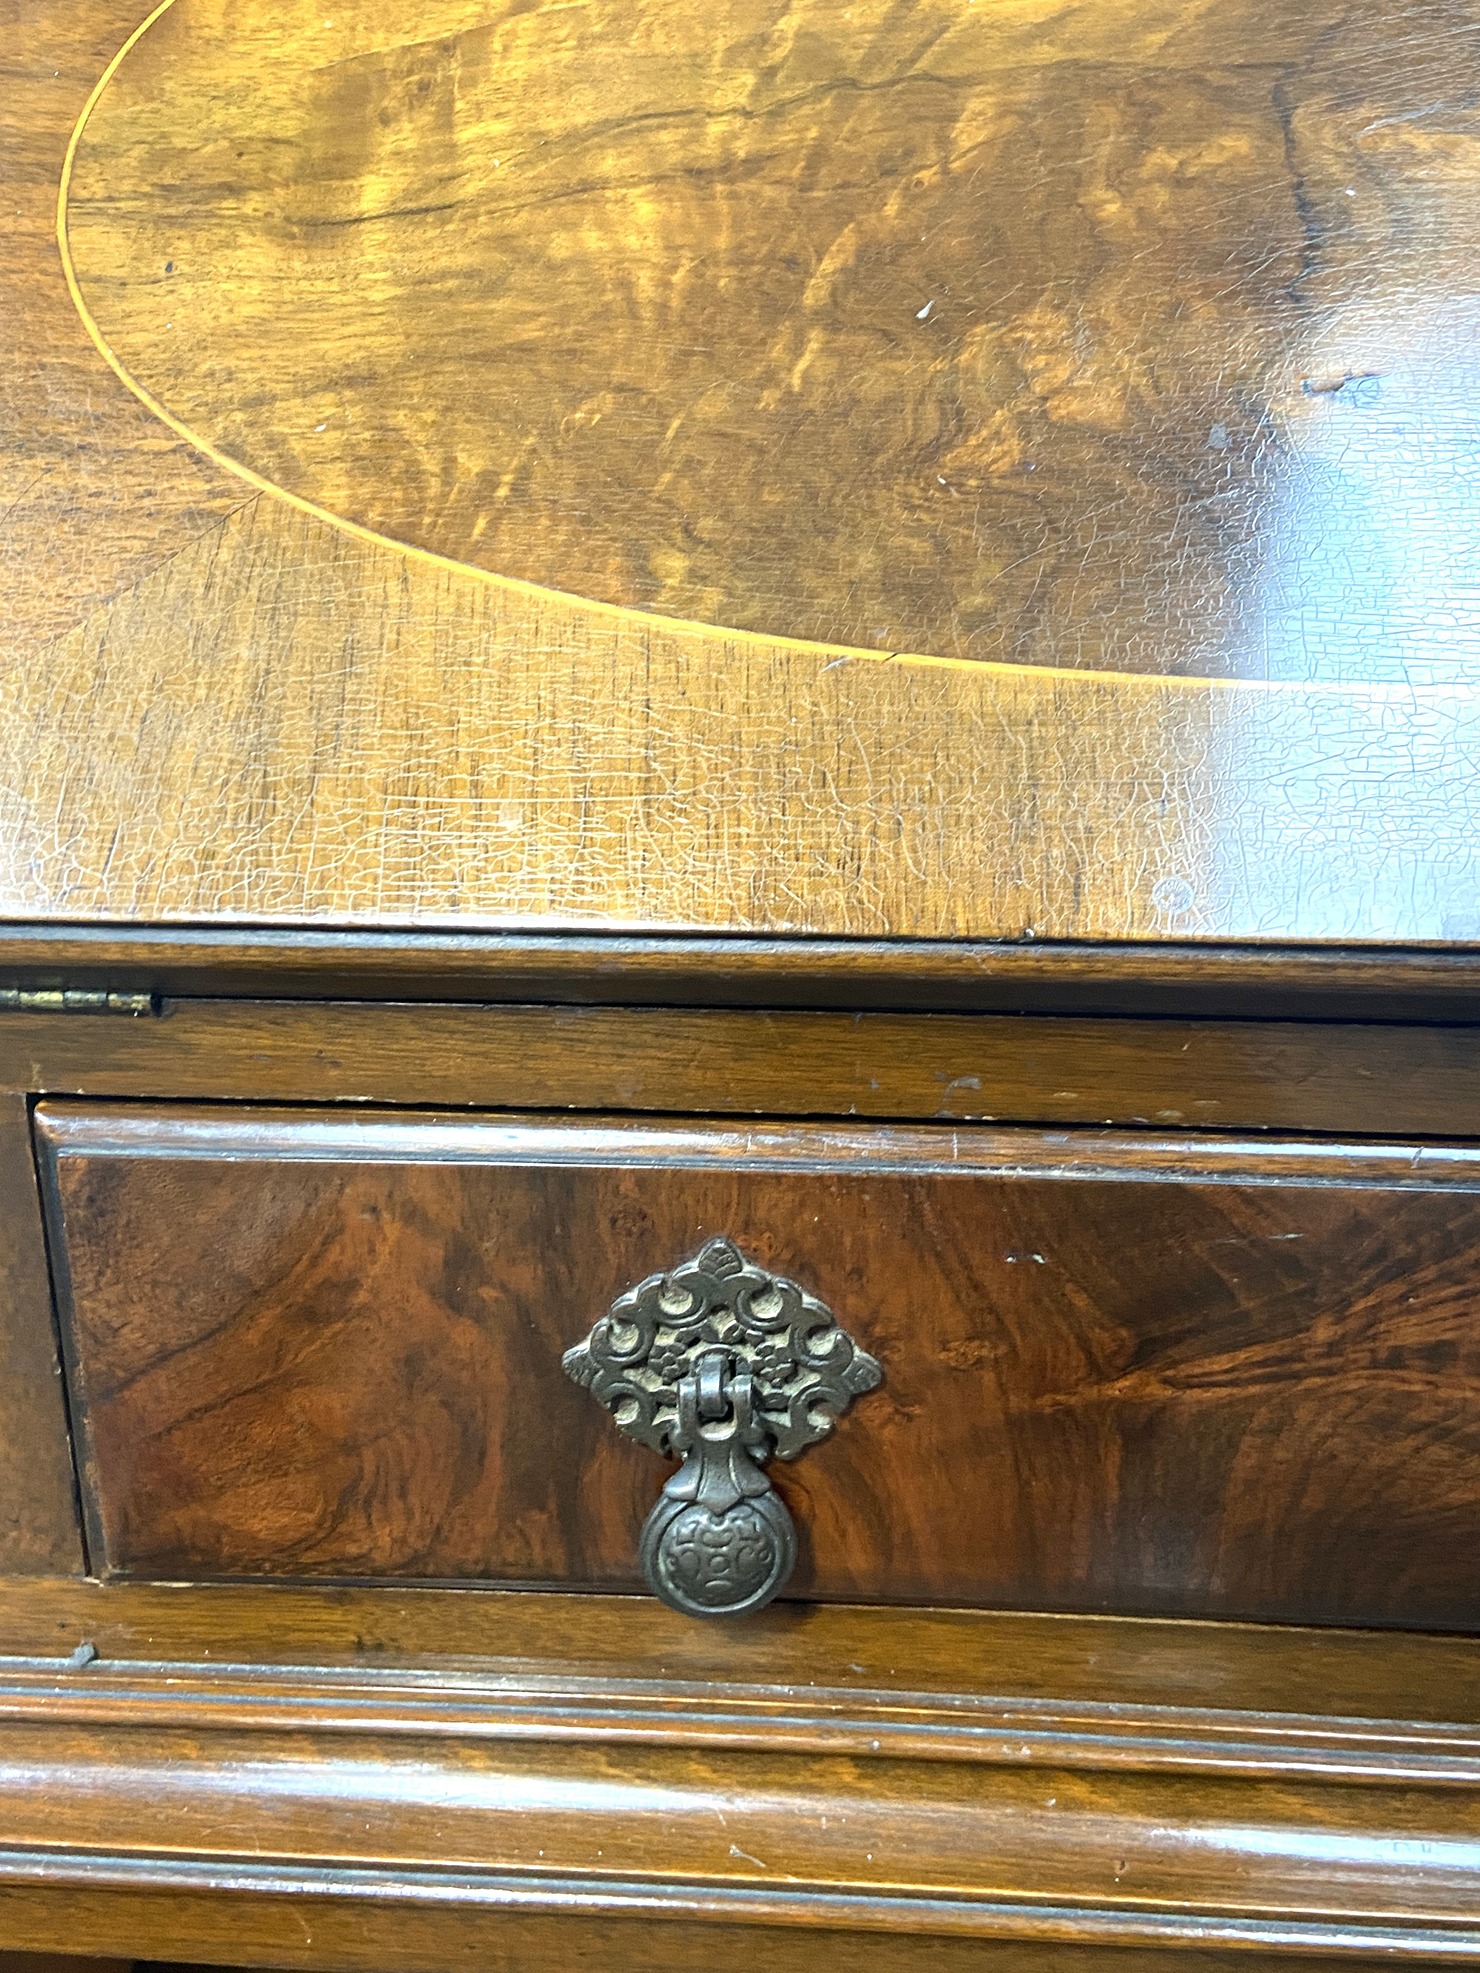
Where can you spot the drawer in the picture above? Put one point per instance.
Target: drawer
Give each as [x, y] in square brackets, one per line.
[1170, 1374]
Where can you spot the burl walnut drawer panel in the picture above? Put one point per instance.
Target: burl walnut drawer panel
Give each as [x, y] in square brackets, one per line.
[1146, 1374]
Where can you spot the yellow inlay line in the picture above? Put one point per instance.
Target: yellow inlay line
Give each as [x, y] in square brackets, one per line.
[651, 619]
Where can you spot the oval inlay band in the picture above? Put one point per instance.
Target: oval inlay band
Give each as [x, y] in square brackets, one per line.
[980, 330]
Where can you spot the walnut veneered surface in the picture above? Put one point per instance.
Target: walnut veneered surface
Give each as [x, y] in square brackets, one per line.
[1113, 336]
[258, 717]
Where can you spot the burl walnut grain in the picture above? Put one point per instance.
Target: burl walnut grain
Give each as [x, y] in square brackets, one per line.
[1117, 1375]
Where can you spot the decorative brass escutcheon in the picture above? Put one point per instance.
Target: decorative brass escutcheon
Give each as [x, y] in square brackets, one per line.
[723, 1366]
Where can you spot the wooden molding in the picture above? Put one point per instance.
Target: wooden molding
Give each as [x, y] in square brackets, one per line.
[490, 1762]
[920, 975]
[1368, 1078]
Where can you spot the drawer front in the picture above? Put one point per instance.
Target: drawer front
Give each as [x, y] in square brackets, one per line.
[1177, 1375]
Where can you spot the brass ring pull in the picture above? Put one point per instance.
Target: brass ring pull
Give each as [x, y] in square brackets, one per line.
[721, 1365]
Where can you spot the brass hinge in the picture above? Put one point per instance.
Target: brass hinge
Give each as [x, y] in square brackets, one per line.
[75, 1000]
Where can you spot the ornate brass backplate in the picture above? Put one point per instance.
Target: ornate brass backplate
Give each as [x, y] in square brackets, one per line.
[722, 1365]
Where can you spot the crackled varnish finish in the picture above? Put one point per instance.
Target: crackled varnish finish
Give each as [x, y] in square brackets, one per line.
[1119, 1373]
[1217, 426]
[94, 492]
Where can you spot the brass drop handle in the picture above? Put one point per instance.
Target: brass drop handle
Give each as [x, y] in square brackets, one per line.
[721, 1365]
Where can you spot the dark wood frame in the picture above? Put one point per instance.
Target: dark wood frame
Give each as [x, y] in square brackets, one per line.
[1192, 979]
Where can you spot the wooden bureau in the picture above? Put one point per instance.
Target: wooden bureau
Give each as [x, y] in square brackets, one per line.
[739, 940]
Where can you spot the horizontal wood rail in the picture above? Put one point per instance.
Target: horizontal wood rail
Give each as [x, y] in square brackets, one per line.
[345, 1778]
[584, 968]
[1369, 1079]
